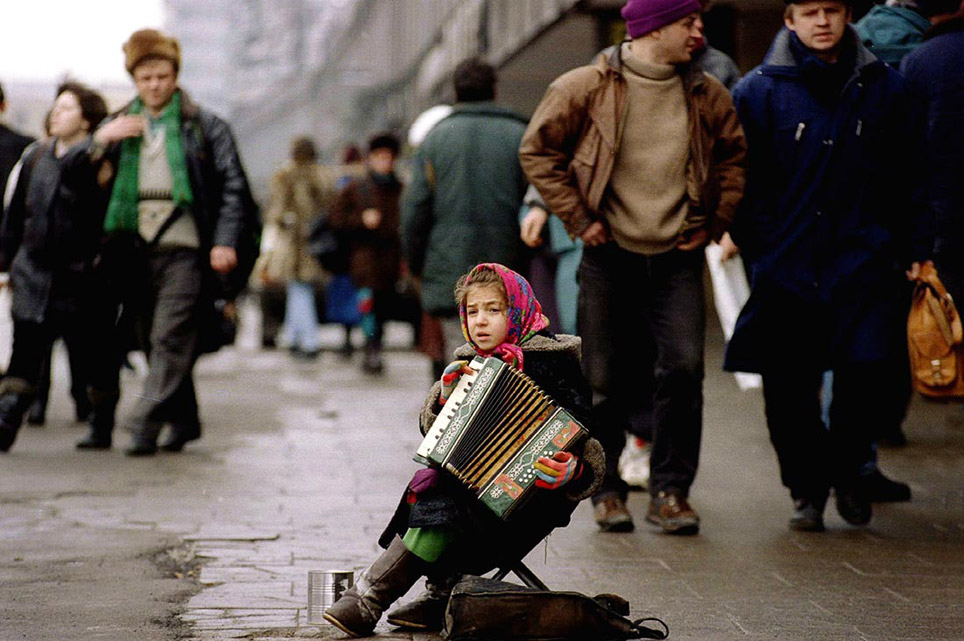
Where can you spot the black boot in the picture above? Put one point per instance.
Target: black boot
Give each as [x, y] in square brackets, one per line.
[37, 414]
[383, 583]
[372, 363]
[16, 395]
[427, 611]
[181, 435]
[101, 420]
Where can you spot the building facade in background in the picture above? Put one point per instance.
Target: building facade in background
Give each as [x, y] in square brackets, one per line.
[339, 70]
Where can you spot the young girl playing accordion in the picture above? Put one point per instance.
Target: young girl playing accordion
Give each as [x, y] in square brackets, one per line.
[440, 529]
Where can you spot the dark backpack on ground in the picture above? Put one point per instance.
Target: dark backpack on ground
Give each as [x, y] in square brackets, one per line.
[487, 610]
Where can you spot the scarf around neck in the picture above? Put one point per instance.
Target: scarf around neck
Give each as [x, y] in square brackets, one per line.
[122, 210]
[524, 317]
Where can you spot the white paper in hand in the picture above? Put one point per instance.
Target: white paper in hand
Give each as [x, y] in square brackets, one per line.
[730, 292]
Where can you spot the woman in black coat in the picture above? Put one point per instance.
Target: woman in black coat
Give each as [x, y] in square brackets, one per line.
[50, 236]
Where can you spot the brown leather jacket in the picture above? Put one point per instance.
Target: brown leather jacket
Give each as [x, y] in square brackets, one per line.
[570, 146]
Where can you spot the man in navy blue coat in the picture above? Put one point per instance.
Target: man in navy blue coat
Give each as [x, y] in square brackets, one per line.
[935, 73]
[829, 223]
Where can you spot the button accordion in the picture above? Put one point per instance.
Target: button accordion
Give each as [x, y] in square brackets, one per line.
[494, 426]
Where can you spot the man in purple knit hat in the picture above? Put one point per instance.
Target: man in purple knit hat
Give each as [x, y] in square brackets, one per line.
[642, 157]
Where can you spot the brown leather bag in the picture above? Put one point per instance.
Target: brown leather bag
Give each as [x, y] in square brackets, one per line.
[934, 337]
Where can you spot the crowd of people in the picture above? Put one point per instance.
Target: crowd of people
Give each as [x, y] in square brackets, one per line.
[832, 168]
[130, 231]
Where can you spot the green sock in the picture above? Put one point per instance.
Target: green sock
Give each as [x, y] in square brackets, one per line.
[427, 543]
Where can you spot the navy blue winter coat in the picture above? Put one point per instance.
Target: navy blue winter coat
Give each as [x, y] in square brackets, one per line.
[831, 214]
[935, 73]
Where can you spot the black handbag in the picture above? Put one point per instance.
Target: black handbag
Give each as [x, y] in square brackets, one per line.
[481, 609]
[328, 245]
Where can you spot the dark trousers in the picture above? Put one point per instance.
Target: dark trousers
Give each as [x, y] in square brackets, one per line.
[813, 458]
[168, 395]
[32, 343]
[642, 322]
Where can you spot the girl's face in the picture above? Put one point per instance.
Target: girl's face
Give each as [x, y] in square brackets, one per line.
[66, 118]
[486, 317]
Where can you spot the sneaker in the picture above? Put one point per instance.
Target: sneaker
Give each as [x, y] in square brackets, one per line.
[673, 514]
[880, 489]
[807, 515]
[634, 463]
[611, 514]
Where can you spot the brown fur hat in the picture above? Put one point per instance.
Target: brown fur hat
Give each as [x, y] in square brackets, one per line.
[150, 43]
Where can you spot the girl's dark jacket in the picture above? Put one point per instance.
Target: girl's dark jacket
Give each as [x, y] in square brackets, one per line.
[483, 540]
[832, 214]
[51, 232]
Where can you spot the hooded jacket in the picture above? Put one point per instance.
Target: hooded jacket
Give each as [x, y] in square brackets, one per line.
[892, 32]
[832, 214]
[461, 205]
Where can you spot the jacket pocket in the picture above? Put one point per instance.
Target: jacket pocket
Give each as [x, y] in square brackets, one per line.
[585, 158]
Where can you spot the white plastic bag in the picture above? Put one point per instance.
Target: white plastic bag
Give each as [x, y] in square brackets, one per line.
[730, 292]
[6, 326]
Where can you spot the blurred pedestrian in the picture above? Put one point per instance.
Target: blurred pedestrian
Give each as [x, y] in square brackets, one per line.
[934, 74]
[51, 234]
[461, 206]
[301, 191]
[644, 206]
[367, 213]
[12, 145]
[181, 210]
[828, 225]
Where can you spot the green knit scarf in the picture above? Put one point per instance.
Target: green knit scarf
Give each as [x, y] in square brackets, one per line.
[122, 210]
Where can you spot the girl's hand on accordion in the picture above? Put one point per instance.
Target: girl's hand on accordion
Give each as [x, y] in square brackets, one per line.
[450, 378]
[555, 472]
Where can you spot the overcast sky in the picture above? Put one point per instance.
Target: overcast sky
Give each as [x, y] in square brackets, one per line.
[46, 39]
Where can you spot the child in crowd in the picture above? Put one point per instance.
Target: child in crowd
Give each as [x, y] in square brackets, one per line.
[441, 530]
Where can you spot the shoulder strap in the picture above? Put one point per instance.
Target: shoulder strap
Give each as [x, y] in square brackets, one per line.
[941, 305]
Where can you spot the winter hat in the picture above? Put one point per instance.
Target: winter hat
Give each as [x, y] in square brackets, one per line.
[150, 42]
[643, 16]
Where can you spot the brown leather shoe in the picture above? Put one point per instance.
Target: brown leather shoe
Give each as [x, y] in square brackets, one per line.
[611, 514]
[673, 513]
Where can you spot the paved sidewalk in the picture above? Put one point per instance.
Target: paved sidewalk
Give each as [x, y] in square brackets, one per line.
[301, 464]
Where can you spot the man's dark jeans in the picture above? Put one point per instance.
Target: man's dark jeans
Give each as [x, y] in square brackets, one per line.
[629, 303]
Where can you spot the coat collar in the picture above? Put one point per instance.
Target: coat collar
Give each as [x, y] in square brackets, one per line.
[486, 108]
[611, 61]
[781, 61]
[558, 343]
[189, 108]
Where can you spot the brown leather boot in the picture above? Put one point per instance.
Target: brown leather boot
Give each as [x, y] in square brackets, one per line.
[427, 611]
[384, 582]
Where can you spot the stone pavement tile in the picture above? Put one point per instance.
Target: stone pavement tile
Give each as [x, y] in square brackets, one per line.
[251, 619]
[248, 595]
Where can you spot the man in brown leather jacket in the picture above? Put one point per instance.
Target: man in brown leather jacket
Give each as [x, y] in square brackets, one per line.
[642, 157]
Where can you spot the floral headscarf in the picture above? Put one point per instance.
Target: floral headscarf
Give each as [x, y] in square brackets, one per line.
[524, 314]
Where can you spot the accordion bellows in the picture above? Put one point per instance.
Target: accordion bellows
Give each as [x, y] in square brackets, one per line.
[494, 426]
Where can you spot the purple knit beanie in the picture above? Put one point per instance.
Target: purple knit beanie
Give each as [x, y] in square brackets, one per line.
[643, 16]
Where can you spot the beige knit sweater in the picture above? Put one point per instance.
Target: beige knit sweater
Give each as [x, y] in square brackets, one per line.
[646, 202]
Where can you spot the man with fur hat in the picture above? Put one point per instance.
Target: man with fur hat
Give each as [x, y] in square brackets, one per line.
[180, 211]
[829, 224]
[641, 156]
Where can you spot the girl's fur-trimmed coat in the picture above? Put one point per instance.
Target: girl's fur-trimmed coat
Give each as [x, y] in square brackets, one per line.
[483, 540]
